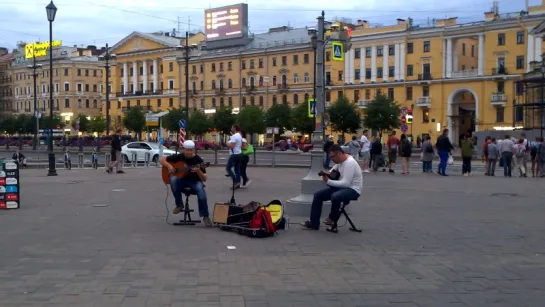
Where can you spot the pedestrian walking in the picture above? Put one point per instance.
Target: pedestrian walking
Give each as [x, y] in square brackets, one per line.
[405, 152]
[235, 157]
[444, 148]
[506, 152]
[354, 148]
[492, 154]
[520, 153]
[365, 151]
[247, 150]
[393, 145]
[116, 157]
[427, 155]
[467, 154]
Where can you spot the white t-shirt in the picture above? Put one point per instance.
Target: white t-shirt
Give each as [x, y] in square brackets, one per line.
[237, 139]
[366, 144]
[351, 176]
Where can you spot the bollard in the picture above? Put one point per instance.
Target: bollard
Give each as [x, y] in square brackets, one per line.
[216, 156]
[147, 159]
[255, 158]
[108, 159]
[134, 159]
[80, 160]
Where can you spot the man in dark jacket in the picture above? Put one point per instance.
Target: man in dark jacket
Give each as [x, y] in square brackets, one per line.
[116, 157]
[444, 147]
[328, 143]
[376, 153]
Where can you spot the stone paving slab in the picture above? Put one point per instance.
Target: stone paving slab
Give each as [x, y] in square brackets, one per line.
[427, 241]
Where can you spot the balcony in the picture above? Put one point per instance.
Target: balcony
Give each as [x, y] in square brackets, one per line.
[283, 87]
[250, 89]
[220, 90]
[499, 71]
[465, 73]
[424, 77]
[5, 80]
[138, 93]
[423, 102]
[362, 104]
[193, 93]
[498, 99]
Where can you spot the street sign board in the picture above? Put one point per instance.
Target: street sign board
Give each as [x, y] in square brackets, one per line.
[152, 121]
[338, 52]
[272, 130]
[311, 108]
[404, 111]
[404, 128]
[181, 123]
[403, 119]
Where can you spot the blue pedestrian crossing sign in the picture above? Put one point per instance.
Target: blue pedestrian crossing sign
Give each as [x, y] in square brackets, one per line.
[338, 52]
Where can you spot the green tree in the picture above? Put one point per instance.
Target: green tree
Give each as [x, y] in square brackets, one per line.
[382, 114]
[97, 124]
[25, 123]
[170, 121]
[199, 124]
[344, 117]
[135, 120]
[83, 123]
[301, 122]
[224, 119]
[8, 125]
[279, 115]
[251, 119]
[45, 122]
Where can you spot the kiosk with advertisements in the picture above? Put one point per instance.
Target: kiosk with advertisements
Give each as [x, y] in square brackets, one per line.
[9, 185]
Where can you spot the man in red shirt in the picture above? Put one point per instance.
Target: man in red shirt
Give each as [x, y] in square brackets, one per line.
[393, 147]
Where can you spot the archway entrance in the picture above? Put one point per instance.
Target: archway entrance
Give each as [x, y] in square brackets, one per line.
[462, 114]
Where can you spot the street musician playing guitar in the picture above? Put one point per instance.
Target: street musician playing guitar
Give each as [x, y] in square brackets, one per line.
[187, 170]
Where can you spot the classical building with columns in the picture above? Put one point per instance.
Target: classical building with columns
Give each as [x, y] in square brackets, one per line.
[456, 76]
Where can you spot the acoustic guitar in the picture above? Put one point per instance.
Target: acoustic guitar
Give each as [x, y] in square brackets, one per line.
[181, 170]
[334, 175]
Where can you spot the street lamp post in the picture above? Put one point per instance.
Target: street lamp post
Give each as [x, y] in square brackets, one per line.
[186, 48]
[107, 58]
[542, 104]
[51, 10]
[34, 67]
[314, 43]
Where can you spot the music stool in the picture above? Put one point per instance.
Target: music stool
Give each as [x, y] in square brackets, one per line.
[333, 228]
[187, 221]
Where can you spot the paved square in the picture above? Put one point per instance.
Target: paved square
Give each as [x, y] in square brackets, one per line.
[86, 238]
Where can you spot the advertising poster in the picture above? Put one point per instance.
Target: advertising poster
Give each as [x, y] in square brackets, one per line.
[9, 185]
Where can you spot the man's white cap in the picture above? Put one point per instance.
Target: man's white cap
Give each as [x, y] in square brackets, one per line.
[189, 144]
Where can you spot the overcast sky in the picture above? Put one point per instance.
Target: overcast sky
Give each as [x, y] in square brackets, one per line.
[97, 22]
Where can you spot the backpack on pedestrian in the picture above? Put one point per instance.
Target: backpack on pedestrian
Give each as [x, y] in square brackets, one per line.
[520, 151]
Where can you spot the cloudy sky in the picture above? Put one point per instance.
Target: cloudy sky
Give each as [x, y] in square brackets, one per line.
[97, 22]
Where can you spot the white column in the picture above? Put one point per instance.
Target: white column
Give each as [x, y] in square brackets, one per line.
[455, 55]
[155, 75]
[346, 67]
[530, 52]
[397, 61]
[537, 46]
[125, 78]
[444, 69]
[362, 64]
[134, 77]
[402, 61]
[385, 64]
[374, 64]
[449, 57]
[145, 75]
[352, 73]
[481, 55]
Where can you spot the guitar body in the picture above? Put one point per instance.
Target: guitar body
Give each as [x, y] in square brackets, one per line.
[182, 169]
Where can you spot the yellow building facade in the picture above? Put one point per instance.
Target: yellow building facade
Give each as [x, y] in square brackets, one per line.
[77, 84]
[6, 95]
[456, 76]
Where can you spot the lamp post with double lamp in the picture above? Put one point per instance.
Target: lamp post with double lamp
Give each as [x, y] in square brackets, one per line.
[107, 58]
[186, 48]
[51, 10]
[34, 67]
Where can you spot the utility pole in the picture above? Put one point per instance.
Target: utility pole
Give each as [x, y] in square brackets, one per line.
[34, 67]
[107, 58]
[186, 48]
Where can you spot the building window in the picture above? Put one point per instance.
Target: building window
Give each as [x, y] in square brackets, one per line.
[391, 71]
[243, 101]
[284, 99]
[356, 95]
[473, 50]
[87, 103]
[213, 67]
[410, 70]
[213, 84]
[500, 114]
[425, 115]
[391, 93]
[243, 82]
[252, 64]
[368, 52]
[230, 101]
[426, 91]
[379, 72]
[295, 99]
[410, 48]
[274, 62]
[158, 103]
[274, 99]
[229, 83]
[380, 51]
[274, 80]
[391, 50]
[66, 87]
[221, 66]
[243, 64]
[213, 102]
[427, 46]
[327, 96]
[79, 103]
[170, 66]
[170, 84]
[295, 78]
[328, 56]
[519, 114]
[501, 39]
[368, 73]
[67, 103]
[221, 102]
[260, 63]
[260, 101]
[202, 103]
[409, 93]
[356, 74]
[295, 59]
[66, 71]
[284, 60]
[340, 75]
[252, 100]
[520, 62]
[520, 37]
[79, 72]
[171, 102]
[357, 53]
[306, 77]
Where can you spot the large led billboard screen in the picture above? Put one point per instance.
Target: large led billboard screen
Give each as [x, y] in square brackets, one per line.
[226, 22]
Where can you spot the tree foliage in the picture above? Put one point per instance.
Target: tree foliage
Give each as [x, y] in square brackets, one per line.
[344, 116]
[279, 115]
[199, 123]
[170, 121]
[45, 122]
[9, 125]
[301, 122]
[97, 124]
[25, 123]
[135, 120]
[382, 114]
[251, 120]
[81, 121]
[223, 119]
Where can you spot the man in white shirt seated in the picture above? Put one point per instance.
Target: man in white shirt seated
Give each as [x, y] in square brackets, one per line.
[346, 188]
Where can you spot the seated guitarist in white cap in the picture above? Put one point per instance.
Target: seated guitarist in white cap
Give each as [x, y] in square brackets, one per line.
[194, 179]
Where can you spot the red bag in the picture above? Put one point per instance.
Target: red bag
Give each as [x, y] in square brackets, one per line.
[262, 220]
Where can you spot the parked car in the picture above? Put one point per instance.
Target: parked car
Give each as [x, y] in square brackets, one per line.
[141, 148]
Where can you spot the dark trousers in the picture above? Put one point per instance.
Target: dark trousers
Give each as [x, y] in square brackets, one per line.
[327, 160]
[243, 165]
[234, 162]
[197, 187]
[337, 196]
[466, 165]
[507, 158]
[443, 158]
[426, 166]
[491, 167]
